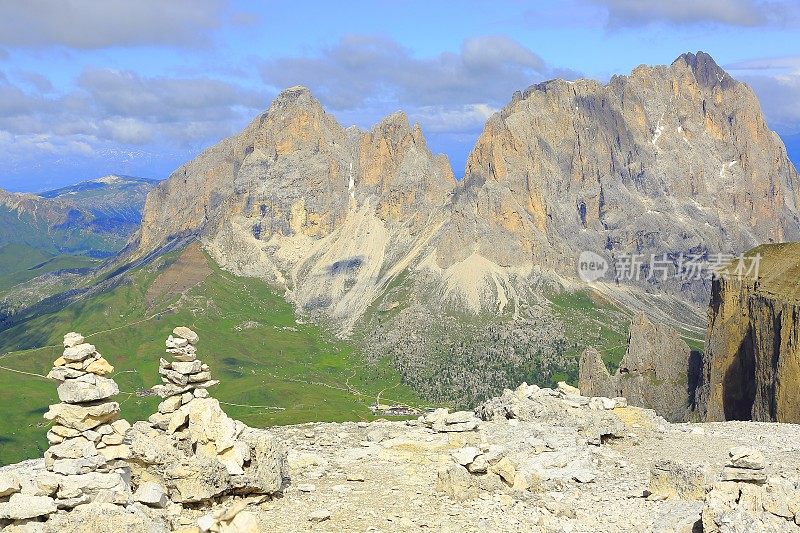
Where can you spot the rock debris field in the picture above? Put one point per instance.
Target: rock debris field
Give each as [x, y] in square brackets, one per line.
[533, 459]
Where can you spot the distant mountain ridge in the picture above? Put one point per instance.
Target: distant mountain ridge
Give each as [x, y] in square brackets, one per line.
[115, 201]
[67, 228]
[94, 217]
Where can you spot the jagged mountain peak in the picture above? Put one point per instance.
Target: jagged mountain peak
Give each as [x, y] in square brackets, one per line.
[706, 70]
[294, 96]
[396, 128]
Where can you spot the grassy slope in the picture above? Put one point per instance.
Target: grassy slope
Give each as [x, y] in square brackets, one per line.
[20, 263]
[280, 363]
[591, 320]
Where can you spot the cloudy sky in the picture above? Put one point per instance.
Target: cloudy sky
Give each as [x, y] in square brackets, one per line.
[91, 87]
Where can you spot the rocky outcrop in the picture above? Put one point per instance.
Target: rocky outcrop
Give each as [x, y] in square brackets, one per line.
[658, 371]
[751, 366]
[538, 459]
[190, 448]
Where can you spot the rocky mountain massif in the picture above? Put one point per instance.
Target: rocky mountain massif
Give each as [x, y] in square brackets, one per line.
[370, 233]
[533, 459]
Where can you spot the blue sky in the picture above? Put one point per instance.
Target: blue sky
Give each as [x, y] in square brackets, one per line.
[89, 87]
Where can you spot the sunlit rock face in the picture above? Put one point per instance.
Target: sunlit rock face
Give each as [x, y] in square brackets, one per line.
[668, 160]
[752, 361]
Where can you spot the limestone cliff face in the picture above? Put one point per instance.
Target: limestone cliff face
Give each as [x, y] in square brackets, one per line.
[659, 371]
[327, 213]
[751, 365]
[669, 159]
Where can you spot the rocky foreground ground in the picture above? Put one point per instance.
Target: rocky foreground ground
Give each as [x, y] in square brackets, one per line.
[533, 459]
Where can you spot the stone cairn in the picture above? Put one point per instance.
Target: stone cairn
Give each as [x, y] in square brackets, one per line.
[184, 379]
[87, 435]
[190, 450]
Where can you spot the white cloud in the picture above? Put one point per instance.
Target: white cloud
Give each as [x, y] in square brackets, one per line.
[453, 119]
[128, 130]
[741, 13]
[89, 24]
[362, 68]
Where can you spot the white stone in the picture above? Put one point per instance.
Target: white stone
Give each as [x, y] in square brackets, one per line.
[82, 417]
[184, 367]
[320, 515]
[72, 339]
[78, 353]
[744, 457]
[169, 405]
[151, 494]
[9, 483]
[82, 391]
[24, 507]
[466, 455]
[186, 333]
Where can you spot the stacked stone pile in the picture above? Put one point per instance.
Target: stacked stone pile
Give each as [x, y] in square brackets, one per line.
[746, 465]
[747, 497]
[184, 379]
[87, 458]
[87, 436]
[190, 448]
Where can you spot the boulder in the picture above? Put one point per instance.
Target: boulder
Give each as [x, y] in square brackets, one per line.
[152, 494]
[748, 458]
[186, 333]
[196, 479]
[82, 391]
[267, 467]
[683, 481]
[25, 507]
[82, 417]
[457, 483]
